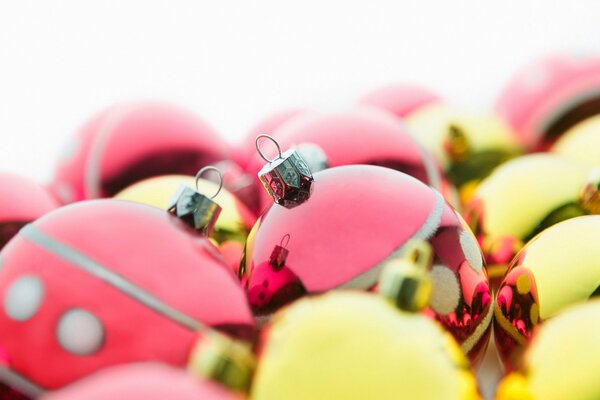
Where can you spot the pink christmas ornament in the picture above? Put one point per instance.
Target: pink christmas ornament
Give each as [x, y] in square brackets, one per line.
[142, 382]
[549, 96]
[401, 99]
[21, 201]
[130, 142]
[107, 282]
[357, 218]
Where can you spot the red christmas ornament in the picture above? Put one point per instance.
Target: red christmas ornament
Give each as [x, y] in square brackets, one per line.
[142, 382]
[359, 136]
[130, 142]
[549, 96]
[108, 282]
[21, 201]
[400, 99]
[357, 218]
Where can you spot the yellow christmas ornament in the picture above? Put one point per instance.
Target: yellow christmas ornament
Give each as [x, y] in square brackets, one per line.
[563, 361]
[558, 268]
[233, 223]
[582, 142]
[523, 197]
[467, 146]
[356, 345]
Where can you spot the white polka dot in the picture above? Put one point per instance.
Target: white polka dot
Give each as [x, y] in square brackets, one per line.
[80, 332]
[446, 290]
[471, 250]
[23, 298]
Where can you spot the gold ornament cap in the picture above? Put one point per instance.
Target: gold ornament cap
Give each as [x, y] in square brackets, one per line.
[405, 280]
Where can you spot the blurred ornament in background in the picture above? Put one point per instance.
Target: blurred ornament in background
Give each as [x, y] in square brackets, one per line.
[106, 282]
[234, 222]
[142, 381]
[246, 150]
[21, 202]
[582, 142]
[522, 198]
[549, 96]
[468, 146]
[358, 136]
[127, 143]
[352, 345]
[400, 99]
[357, 219]
[562, 361]
[559, 267]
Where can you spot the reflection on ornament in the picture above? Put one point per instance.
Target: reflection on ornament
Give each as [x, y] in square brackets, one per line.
[555, 269]
[562, 361]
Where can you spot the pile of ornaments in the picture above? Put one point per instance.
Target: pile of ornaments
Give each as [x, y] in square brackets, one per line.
[352, 255]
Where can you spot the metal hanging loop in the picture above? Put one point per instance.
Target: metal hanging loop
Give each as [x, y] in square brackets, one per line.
[260, 153]
[210, 168]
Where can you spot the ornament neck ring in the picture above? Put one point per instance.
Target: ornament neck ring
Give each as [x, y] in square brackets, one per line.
[210, 168]
[260, 153]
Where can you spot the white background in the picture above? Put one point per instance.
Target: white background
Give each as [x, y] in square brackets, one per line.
[233, 62]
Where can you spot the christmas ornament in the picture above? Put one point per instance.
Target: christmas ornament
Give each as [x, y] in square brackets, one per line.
[358, 218]
[359, 136]
[107, 282]
[352, 345]
[563, 360]
[234, 221]
[128, 143]
[522, 198]
[549, 96]
[269, 125]
[467, 146]
[21, 201]
[148, 381]
[582, 142]
[400, 99]
[557, 268]
[286, 178]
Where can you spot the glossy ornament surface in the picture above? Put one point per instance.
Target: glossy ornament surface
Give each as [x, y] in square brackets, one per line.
[107, 282]
[130, 142]
[549, 96]
[234, 222]
[358, 136]
[401, 99]
[582, 142]
[519, 200]
[352, 345]
[21, 201]
[557, 268]
[357, 218]
[468, 146]
[562, 361]
[142, 382]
